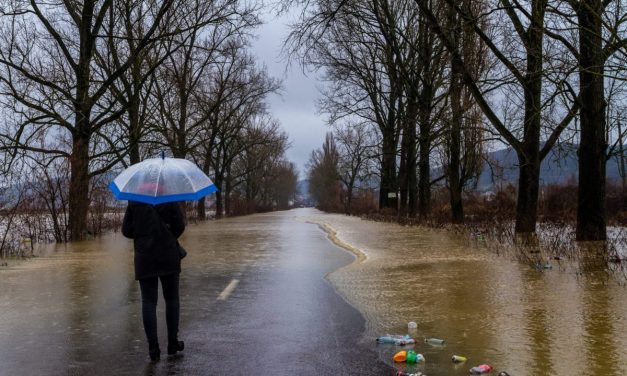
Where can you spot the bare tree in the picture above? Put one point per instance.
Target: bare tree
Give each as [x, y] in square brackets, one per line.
[239, 101]
[593, 32]
[464, 141]
[356, 150]
[360, 65]
[324, 179]
[525, 69]
[592, 144]
[263, 146]
[51, 193]
[49, 77]
[284, 182]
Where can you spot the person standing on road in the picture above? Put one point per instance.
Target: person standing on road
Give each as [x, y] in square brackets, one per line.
[155, 230]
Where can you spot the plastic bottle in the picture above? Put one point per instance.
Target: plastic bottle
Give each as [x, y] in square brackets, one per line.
[481, 369]
[412, 325]
[396, 339]
[385, 339]
[389, 338]
[405, 341]
[434, 341]
[413, 357]
[458, 359]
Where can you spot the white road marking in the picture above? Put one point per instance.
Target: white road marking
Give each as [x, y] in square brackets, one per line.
[228, 289]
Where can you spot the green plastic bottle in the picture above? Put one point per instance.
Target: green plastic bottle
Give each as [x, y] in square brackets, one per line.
[412, 357]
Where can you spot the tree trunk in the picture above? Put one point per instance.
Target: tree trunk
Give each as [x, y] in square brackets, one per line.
[528, 186]
[134, 132]
[250, 206]
[201, 210]
[219, 208]
[79, 159]
[387, 192]
[79, 187]
[227, 193]
[402, 176]
[349, 199]
[529, 151]
[134, 121]
[424, 109]
[411, 168]
[454, 162]
[455, 186]
[592, 146]
[424, 166]
[621, 161]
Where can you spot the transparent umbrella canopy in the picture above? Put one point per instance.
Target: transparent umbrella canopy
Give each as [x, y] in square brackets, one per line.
[159, 180]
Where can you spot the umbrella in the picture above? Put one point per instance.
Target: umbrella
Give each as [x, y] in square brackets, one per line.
[159, 180]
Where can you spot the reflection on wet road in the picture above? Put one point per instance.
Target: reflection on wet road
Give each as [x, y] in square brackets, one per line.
[255, 300]
[253, 296]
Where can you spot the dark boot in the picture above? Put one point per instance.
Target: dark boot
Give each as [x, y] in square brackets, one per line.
[154, 351]
[174, 346]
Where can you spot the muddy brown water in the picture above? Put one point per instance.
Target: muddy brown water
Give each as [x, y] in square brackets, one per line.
[491, 309]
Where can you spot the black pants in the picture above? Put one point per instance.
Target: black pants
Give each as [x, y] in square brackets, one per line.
[149, 289]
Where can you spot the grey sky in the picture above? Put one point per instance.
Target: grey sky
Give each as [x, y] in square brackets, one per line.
[295, 108]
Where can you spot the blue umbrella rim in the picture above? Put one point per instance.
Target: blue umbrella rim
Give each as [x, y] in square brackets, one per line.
[192, 196]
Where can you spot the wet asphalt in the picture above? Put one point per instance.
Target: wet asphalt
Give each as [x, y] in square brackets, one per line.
[283, 318]
[270, 313]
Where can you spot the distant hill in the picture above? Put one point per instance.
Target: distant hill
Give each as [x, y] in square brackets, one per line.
[559, 166]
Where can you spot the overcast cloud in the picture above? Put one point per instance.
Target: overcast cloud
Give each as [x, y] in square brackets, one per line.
[295, 108]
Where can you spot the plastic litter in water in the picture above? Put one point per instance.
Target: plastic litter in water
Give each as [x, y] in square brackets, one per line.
[481, 369]
[458, 359]
[412, 325]
[401, 373]
[400, 356]
[409, 356]
[434, 341]
[400, 340]
[413, 357]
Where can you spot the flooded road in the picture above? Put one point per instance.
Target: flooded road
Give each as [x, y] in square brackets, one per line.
[255, 300]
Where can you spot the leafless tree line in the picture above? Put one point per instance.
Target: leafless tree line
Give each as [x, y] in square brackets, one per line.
[439, 82]
[88, 88]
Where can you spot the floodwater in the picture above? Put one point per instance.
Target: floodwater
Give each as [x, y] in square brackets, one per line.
[78, 301]
[491, 309]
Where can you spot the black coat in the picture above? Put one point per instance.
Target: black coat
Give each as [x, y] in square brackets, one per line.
[156, 247]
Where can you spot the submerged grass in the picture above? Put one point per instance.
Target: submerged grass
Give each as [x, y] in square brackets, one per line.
[552, 245]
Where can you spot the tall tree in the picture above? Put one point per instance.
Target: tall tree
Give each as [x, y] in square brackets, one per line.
[600, 38]
[347, 40]
[48, 72]
[464, 142]
[356, 149]
[455, 128]
[528, 23]
[324, 180]
[592, 143]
